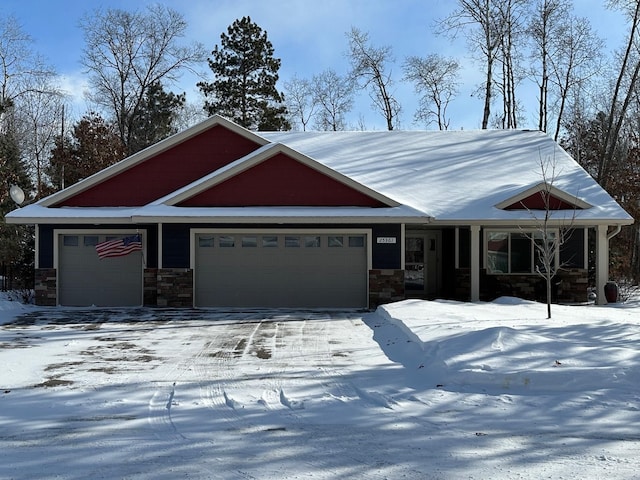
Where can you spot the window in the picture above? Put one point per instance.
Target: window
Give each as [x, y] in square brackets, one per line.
[70, 240]
[226, 241]
[90, 240]
[311, 242]
[336, 241]
[356, 241]
[518, 252]
[291, 242]
[269, 241]
[205, 241]
[249, 242]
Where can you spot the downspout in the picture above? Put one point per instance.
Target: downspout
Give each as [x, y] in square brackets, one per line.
[614, 233]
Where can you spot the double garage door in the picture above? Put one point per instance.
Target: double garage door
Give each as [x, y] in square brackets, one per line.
[84, 279]
[281, 269]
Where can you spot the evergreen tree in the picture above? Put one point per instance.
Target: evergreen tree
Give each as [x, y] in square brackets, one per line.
[16, 241]
[245, 75]
[93, 146]
[155, 118]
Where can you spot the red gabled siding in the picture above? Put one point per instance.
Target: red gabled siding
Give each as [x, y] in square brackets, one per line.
[281, 181]
[536, 202]
[167, 171]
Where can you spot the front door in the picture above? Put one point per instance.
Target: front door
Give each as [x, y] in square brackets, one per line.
[422, 266]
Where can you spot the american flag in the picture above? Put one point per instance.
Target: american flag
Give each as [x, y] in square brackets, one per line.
[119, 247]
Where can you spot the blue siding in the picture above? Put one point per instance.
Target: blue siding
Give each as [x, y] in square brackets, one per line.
[386, 255]
[175, 245]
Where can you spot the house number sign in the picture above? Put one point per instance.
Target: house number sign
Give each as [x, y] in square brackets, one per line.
[386, 239]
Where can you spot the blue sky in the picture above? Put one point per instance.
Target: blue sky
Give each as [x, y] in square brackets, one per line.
[309, 37]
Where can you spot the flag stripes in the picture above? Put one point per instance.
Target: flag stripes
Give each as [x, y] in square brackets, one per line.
[119, 246]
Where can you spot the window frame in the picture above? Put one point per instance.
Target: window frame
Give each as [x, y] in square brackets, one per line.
[533, 236]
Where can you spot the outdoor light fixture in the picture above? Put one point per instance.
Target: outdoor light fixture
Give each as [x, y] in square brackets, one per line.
[17, 195]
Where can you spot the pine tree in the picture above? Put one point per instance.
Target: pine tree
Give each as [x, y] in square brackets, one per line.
[16, 241]
[245, 76]
[155, 118]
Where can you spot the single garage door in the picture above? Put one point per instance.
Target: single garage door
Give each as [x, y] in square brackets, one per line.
[84, 279]
[281, 270]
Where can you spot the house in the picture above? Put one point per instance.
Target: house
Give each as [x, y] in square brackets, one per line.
[228, 217]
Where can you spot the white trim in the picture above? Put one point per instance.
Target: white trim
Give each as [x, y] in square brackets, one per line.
[542, 187]
[403, 238]
[586, 249]
[475, 263]
[602, 263]
[36, 260]
[160, 237]
[456, 248]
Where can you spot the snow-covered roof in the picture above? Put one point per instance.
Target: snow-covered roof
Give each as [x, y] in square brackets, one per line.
[456, 176]
[445, 177]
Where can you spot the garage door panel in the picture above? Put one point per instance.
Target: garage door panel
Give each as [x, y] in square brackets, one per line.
[301, 271]
[84, 279]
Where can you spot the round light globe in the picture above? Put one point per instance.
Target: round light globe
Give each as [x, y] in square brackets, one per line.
[17, 195]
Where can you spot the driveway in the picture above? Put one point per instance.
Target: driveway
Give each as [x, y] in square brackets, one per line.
[162, 393]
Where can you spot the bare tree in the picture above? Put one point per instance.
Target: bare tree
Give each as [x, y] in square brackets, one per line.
[480, 21]
[511, 20]
[370, 65]
[300, 101]
[39, 120]
[334, 97]
[578, 61]
[550, 232]
[128, 52]
[623, 91]
[435, 78]
[545, 29]
[31, 100]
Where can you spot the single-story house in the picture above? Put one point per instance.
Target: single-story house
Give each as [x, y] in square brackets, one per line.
[227, 217]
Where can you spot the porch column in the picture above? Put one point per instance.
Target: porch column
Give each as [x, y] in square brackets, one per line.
[602, 262]
[475, 263]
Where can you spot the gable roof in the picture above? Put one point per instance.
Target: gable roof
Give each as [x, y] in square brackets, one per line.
[162, 168]
[446, 177]
[534, 199]
[298, 181]
[458, 177]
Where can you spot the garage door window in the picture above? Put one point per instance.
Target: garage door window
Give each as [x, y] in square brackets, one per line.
[205, 241]
[312, 242]
[335, 241]
[356, 241]
[249, 242]
[70, 241]
[291, 242]
[90, 240]
[269, 241]
[226, 241]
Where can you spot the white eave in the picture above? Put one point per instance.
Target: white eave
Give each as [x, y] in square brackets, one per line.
[38, 214]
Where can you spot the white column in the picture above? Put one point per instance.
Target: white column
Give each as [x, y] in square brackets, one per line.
[159, 245]
[475, 263]
[602, 262]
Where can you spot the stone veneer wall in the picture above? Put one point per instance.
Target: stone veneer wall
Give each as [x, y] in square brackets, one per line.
[385, 286]
[45, 286]
[150, 287]
[174, 287]
[569, 286]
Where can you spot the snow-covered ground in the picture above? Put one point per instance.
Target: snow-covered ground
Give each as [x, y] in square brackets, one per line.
[415, 390]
